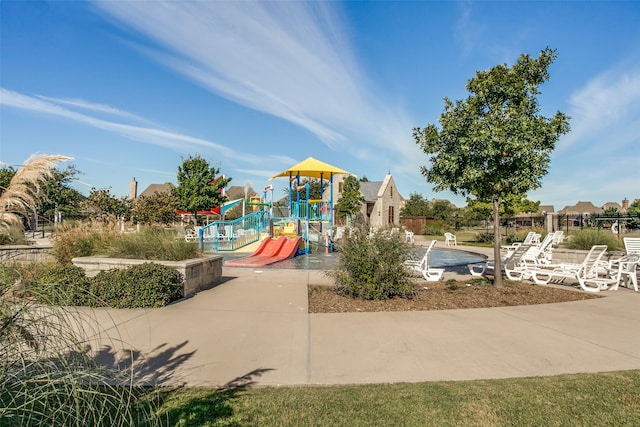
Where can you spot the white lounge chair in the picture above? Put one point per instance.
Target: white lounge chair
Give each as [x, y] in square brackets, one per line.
[190, 235]
[512, 264]
[421, 266]
[558, 237]
[632, 245]
[542, 252]
[626, 267]
[590, 274]
[408, 235]
[532, 238]
[450, 239]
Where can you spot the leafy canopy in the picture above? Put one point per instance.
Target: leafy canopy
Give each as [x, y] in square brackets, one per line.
[199, 186]
[102, 205]
[416, 205]
[351, 199]
[159, 207]
[60, 196]
[494, 143]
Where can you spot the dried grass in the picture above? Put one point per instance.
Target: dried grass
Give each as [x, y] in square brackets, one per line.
[23, 193]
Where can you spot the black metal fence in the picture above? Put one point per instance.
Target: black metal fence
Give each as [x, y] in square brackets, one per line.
[616, 222]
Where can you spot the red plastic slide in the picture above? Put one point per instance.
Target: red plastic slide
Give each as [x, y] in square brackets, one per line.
[269, 251]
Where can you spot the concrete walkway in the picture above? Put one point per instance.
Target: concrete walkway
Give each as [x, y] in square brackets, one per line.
[255, 326]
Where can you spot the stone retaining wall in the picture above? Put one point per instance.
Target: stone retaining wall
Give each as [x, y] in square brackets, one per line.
[24, 253]
[577, 256]
[198, 273]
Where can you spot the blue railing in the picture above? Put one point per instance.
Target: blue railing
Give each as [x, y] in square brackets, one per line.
[231, 235]
[318, 211]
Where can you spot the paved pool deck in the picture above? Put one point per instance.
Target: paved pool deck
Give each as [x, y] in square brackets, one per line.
[255, 326]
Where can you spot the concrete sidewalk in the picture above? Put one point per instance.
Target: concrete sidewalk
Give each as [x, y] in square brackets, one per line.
[255, 325]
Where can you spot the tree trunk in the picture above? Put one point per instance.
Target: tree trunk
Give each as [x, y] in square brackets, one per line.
[497, 242]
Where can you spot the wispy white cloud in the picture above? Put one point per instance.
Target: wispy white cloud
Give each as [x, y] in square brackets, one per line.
[100, 108]
[292, 60]
[159, 137]
[466, 30]
[598, 109]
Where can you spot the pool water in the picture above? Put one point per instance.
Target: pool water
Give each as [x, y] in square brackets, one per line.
[439, 258]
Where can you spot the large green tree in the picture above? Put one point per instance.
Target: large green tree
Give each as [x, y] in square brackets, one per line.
[495, 143]
[351, 199]
[199, 187]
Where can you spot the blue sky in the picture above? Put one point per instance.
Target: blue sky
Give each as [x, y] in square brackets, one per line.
[129, 89]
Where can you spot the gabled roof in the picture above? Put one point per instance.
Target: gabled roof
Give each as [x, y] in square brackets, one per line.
[545, 209]
[581, 208]
[614, 205]
[370, 190]
[156, 188]
[237, 192]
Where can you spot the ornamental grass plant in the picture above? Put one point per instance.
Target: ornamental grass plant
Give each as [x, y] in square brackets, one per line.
[151, 243]
[585, 239]
[48, 375]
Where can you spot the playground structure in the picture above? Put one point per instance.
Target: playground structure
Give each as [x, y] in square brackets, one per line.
[309, 221]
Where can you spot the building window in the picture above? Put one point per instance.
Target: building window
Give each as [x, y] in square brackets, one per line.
[340, 187]
[391, 217]
[391, 190]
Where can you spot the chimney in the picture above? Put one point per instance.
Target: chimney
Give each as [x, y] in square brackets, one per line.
[133, 189]
[625, 204]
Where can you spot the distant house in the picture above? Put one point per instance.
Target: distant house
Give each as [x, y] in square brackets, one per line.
[157, 188]
[238, 192]
[382, 200]
[533, 219]
[581, 208]
[545, 209]
[612, 206]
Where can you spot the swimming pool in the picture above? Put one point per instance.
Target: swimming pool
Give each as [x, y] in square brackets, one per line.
[440, 258]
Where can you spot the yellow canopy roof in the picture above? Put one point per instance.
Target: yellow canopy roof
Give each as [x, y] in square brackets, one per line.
[311, 168]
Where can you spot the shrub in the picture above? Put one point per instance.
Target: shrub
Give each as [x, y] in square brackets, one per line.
[484, 237]
[371, 267]
[434, 228]
[58, 284]
[142, 286]
[585, 239]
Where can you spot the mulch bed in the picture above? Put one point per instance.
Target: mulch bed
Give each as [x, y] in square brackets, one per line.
[447, 296]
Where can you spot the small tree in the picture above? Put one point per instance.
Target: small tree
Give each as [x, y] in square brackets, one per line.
[494, 144]
[199, 186]
[351, 199]
[158, 208]
[416, 206]
[103, 206]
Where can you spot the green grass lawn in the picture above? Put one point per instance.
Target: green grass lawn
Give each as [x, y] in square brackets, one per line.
[605, 399]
